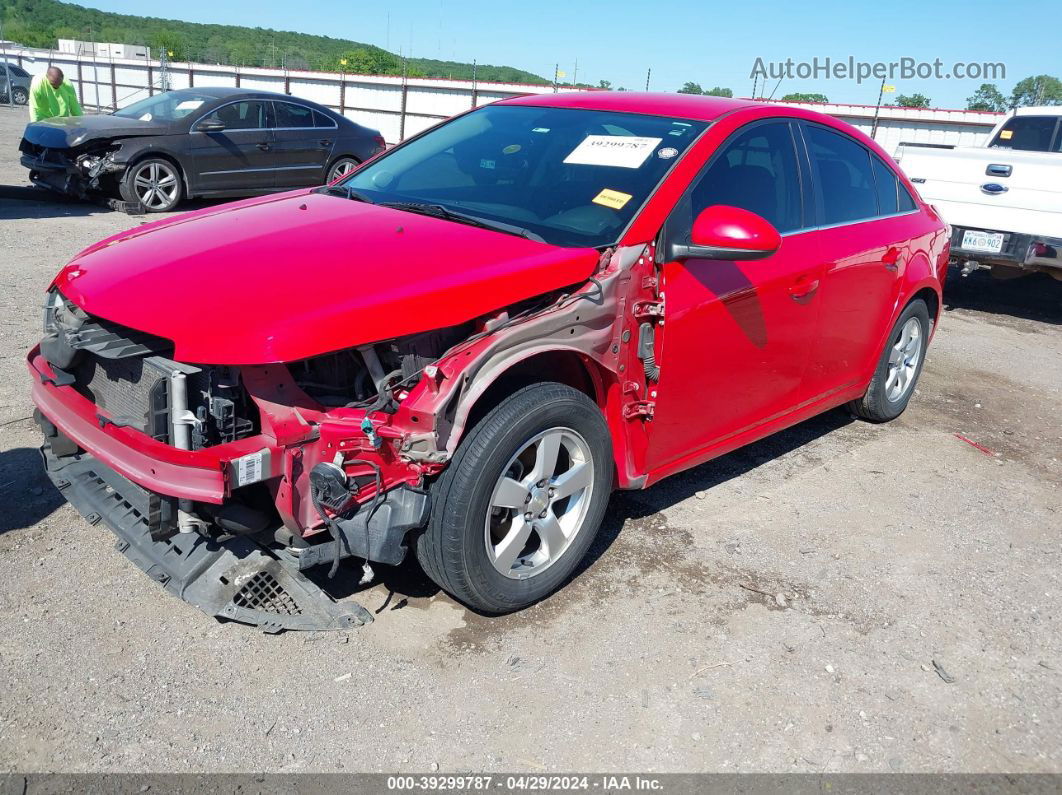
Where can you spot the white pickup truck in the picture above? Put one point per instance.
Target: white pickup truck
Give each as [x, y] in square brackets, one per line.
[1003, 200]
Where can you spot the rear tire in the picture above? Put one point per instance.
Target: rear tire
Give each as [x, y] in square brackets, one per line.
[898, 368]
[20, 95]
[340, 168]
[155, 183]
[544, 452]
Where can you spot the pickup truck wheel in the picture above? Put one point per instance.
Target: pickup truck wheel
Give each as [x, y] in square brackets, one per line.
[155, 183]
[521, 501]
[898, 369]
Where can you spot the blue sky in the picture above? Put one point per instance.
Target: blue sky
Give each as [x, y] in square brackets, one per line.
[707, 42]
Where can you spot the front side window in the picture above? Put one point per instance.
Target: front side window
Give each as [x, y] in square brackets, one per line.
[249, 115]
[291, 115]
[571, 177]
[845, 181]
[1029, 134]
[758, 172]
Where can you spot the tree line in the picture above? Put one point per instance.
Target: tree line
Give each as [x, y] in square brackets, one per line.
[40, 23]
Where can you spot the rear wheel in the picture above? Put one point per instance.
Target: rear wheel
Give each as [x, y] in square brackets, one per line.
[341, 167]
[521, 501]
[20, 95]
[898, 368]
[155, 183]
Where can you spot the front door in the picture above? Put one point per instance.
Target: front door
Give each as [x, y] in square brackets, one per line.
[737, 336]
[239, 157]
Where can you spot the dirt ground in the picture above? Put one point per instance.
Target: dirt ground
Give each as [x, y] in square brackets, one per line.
[919, 626]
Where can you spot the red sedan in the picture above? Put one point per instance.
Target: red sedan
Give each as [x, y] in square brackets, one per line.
[461, 348]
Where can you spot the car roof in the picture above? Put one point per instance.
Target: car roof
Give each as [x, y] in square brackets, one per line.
[225, 92]
[686, 106]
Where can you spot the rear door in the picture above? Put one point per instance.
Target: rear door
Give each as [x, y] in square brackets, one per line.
[303, 148]
[241, 156]
[738, 335]
[864, 237]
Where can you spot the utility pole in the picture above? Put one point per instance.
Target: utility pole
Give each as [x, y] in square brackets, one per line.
[877, 109]
[556, 72]
[575, 74]
[755, 85]
[647, 76]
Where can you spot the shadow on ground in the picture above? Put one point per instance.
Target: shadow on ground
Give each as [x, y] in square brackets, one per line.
[17, 202]
[407, 581]
[26, 494]
[1033, 297]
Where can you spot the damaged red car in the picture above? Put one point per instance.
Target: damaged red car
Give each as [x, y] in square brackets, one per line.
[459, 350]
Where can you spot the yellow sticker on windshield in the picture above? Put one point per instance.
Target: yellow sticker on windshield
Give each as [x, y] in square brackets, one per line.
[612, 198]
[1006, 135]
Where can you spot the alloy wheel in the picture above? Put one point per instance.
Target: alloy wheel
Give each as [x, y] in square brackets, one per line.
[341, 168]
[156, 185]
[539, 503]
[903, 360]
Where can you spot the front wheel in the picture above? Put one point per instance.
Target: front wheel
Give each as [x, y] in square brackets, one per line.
[898, 368]
[520, 503]
[154, 183]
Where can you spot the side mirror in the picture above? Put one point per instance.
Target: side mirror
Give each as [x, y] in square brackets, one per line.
[210, 125]
[724, 232]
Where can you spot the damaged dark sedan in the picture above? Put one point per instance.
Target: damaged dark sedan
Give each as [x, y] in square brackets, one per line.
[196, 142]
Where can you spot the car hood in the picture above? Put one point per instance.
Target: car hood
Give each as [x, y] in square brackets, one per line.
[284, 278]
[66, 132]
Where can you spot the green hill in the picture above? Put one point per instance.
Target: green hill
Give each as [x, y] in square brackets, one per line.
[38, 23]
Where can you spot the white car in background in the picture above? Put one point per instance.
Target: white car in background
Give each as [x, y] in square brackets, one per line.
[1003, 200]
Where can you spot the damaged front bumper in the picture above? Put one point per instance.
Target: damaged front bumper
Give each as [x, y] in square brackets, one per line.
[62, 171]
[233, 579]
[137, 485]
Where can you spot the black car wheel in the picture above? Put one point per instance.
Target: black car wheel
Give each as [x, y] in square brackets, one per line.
[154, 183]
[21, 96]
[341, 167]
[521, 501]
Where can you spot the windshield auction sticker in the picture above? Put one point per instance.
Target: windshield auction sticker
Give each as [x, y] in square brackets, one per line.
[612, 198]
[621, 151]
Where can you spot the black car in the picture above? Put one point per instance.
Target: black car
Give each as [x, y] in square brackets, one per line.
[196, 142]
[14, 84]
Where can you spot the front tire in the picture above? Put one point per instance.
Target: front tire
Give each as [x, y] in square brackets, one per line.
[155, 183]
[898, 368]
[520, 503]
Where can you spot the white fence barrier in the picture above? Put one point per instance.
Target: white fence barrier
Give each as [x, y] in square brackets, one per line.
[400, 107]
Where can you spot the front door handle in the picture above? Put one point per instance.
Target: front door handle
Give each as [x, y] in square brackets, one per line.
[891, 260]
[802, 292]
[263, 146]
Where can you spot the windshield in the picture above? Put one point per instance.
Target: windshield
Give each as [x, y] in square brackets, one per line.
[170, 106]
[570, 177]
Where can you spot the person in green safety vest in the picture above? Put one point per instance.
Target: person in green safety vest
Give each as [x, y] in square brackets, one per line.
[51, 96]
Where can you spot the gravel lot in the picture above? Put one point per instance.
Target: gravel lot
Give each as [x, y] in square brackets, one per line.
[906, 557]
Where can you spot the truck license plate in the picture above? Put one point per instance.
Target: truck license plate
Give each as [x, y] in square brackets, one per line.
[990, 242]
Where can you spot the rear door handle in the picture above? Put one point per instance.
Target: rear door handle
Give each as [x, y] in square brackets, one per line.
[263, 146]
[891, 260]
[324, 142]
[802, 292]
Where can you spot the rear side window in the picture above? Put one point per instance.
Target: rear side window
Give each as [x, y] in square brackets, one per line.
[887, 187]
[289, 115]
[1029, 134]
[757, 171]
[845, 180]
